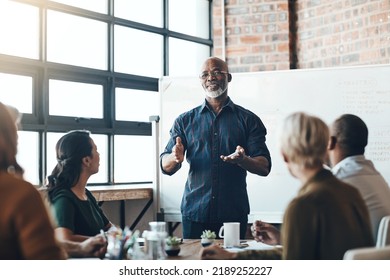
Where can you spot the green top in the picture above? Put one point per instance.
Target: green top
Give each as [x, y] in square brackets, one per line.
[83, 217]
[327, 218]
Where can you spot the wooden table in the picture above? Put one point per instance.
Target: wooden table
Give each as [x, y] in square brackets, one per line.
[115, 193]
[119, 193]
[190, 250]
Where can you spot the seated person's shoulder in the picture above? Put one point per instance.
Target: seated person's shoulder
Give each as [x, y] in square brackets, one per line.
[62, 193]
[15, 184]
[304, 204]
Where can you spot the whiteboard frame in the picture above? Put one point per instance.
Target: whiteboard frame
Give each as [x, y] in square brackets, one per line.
[325, 92]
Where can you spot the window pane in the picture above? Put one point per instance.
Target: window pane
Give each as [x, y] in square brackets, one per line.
[99, 6]
[75, 99]
[102, 146]
[76, 40]
[16, 91]
[19, 29]
[138, 52]
[128, 150]
[145, 11]
[182, 64]
[27, 156]
[195, 22]
[135, 105]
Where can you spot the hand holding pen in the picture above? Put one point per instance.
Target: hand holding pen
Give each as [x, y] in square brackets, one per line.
[236, 157]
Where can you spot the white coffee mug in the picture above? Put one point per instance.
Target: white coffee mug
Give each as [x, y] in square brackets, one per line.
[230, 232]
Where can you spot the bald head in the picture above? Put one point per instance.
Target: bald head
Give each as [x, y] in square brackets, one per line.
[215, 62]
[351, 134]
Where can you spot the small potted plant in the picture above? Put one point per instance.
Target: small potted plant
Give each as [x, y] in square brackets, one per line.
[207, 238]
[172, 245]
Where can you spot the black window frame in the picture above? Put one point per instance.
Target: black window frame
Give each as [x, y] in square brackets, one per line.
[42, 71]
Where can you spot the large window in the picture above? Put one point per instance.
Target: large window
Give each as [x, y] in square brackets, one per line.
[95, 65]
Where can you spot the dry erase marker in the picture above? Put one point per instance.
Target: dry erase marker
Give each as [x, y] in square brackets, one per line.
[103, 234]
[235, 154]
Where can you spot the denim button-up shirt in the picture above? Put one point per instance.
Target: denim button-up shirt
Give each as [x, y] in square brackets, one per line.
[215, 190]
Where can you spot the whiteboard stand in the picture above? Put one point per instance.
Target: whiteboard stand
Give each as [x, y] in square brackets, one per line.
[158, 212]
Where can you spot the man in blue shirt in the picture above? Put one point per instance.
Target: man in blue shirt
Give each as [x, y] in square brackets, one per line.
[222, 141]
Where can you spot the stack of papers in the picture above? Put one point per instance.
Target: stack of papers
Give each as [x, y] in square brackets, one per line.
[251, 245]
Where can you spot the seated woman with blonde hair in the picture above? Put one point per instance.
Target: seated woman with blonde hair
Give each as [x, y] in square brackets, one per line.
[327, 218]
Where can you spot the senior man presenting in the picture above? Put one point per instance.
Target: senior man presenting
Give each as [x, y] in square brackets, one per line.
[221, 141]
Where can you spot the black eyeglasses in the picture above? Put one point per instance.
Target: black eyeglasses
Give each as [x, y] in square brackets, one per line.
[216, 73]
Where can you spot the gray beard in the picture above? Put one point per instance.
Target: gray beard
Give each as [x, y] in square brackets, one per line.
[215, 93]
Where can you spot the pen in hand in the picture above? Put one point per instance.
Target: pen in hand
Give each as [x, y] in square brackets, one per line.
[230, 157]
[103, 234]
[235, 154]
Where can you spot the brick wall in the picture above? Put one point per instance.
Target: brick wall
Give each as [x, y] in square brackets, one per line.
[256, 34]
[343, 33]
[329, 33]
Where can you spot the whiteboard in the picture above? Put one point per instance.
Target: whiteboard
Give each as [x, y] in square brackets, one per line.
[326, 93]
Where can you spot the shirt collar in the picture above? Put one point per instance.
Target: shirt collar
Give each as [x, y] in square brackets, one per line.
[336, 169]
[229, 103]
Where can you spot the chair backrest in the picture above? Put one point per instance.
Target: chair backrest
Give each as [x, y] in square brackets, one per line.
[383, 237]
[368, 253]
